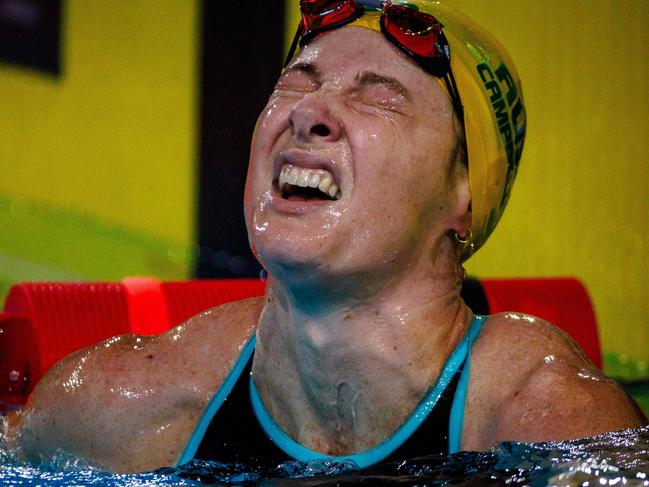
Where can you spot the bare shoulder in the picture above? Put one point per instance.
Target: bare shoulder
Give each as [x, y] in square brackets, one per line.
[213, 338]
[111, 402]
[531, 382]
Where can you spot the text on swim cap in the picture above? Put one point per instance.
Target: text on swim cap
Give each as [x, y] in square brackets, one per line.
[507, 107]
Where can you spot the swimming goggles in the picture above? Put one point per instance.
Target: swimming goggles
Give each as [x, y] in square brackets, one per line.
[418, 34]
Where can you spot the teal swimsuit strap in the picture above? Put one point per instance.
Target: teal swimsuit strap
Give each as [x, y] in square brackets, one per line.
[458, 358]
[456, 423]
[216, 402]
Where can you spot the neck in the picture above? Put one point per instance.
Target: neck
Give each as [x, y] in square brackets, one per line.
[340, 374]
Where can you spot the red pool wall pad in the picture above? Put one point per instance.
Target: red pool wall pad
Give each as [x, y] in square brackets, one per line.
[44, 322]
[58, 318]
[561, 301]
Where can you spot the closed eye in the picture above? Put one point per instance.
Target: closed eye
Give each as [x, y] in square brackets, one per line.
[383, 91]
[378, 95]
[299, 77]
[370, 79]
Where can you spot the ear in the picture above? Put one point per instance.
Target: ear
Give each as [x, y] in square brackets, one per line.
[461, 192]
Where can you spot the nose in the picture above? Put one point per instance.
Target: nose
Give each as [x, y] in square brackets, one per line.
[312, 121]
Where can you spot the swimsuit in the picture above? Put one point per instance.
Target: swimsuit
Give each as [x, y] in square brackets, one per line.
[237, 428]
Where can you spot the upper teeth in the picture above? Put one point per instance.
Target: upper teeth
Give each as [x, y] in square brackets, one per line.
[312, 178]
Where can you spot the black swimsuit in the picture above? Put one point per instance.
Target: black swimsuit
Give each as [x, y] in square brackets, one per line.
[234, 434]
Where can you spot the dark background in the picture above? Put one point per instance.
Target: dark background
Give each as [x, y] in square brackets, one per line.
[30, 34]
[232, 94]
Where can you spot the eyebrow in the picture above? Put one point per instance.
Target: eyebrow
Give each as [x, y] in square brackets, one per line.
[369, 78]
[307, 68]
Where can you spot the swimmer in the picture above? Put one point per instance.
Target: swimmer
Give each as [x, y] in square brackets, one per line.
[383, 160]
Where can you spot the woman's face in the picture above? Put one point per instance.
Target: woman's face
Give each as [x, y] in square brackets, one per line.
[352, 108]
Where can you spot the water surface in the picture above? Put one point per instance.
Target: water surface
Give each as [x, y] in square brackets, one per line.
[620, 458]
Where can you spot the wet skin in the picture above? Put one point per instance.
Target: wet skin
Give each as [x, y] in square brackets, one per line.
[363, 305]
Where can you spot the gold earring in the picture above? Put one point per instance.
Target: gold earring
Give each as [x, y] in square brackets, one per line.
[465, 241]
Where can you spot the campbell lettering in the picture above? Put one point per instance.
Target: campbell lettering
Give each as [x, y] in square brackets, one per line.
[509, 112]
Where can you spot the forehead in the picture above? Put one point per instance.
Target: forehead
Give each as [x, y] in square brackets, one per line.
[343, 54]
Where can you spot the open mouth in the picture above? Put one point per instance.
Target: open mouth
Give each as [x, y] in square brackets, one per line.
[301, 184]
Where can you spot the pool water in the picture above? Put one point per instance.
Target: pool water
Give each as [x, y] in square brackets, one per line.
[619, 458]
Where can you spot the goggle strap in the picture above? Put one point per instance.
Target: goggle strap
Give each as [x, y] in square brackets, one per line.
[453, 92]
[294, 44]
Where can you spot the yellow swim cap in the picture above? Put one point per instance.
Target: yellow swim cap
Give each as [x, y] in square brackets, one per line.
[494, 113]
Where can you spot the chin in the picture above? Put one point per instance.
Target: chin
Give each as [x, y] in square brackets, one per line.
[295, 242]
[288, 257]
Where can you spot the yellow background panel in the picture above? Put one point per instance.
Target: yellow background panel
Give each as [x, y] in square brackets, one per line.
[580, 206]
[113, 137]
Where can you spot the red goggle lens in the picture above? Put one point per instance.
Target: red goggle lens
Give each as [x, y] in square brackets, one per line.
[320, 15]
[416, 31]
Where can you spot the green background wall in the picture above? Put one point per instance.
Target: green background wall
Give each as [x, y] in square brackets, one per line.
[97, 176]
